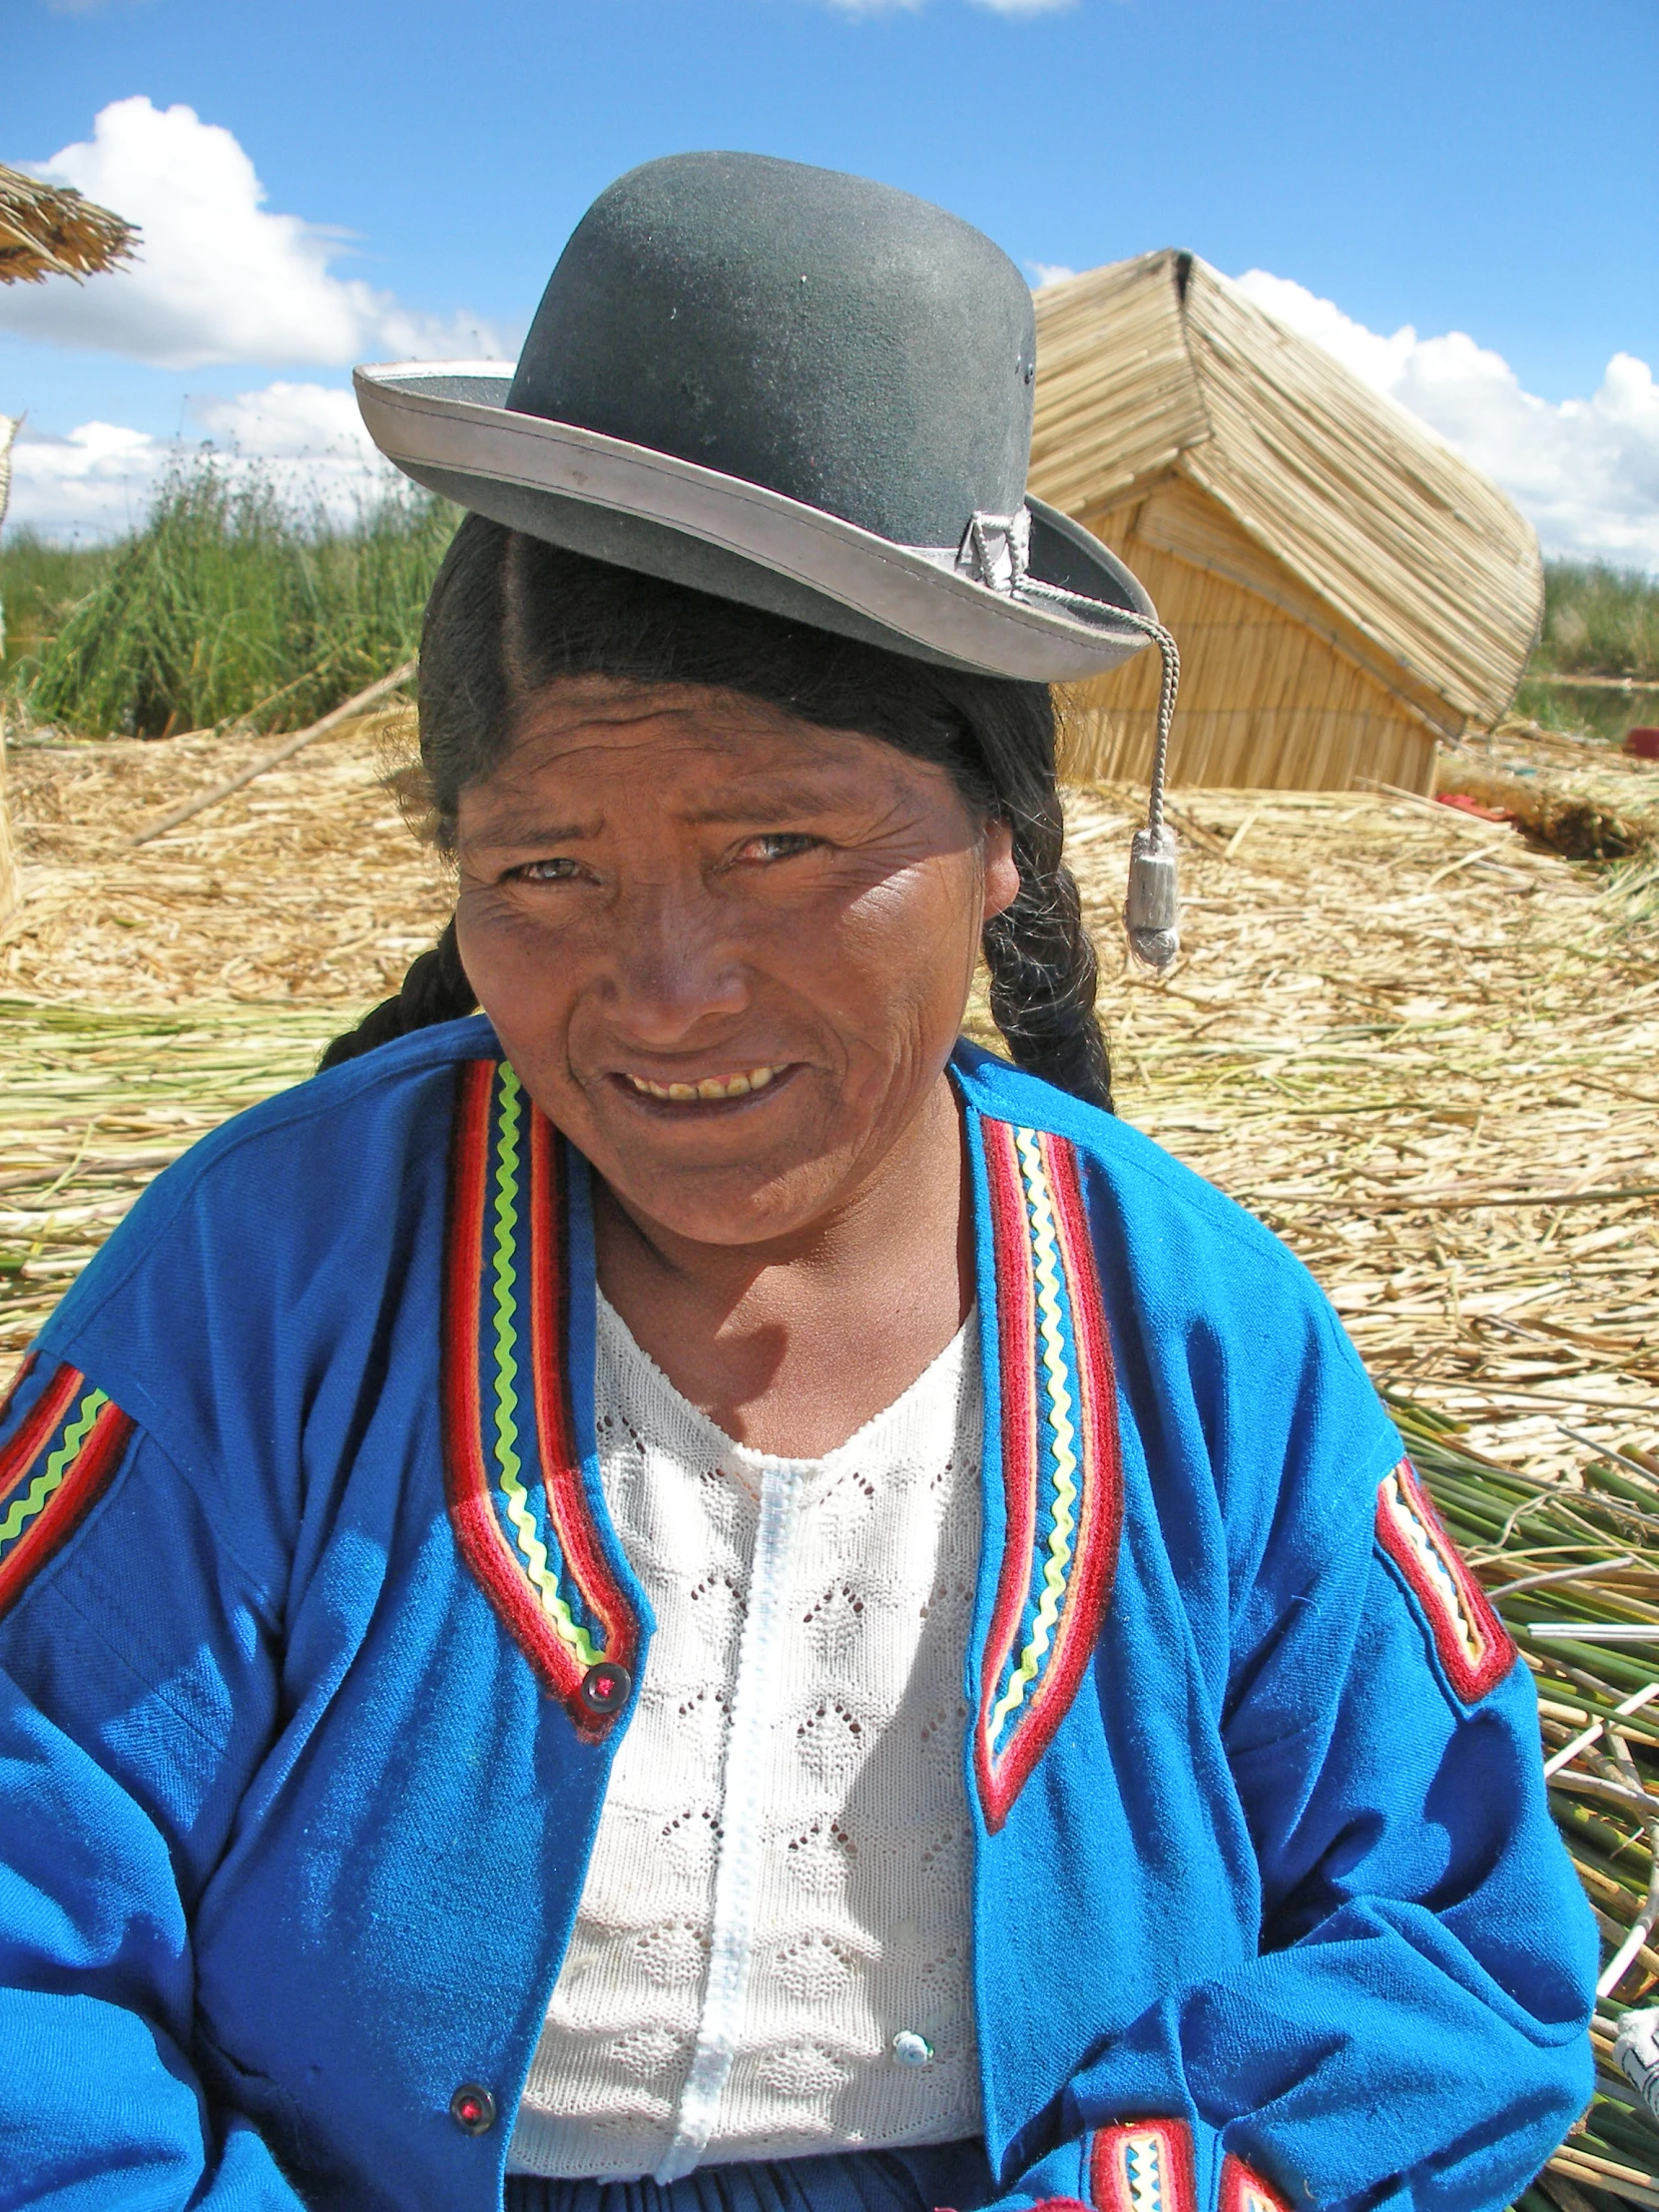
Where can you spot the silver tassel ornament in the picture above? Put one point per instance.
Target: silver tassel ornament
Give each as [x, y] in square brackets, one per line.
[1152, 911]
[995, 551]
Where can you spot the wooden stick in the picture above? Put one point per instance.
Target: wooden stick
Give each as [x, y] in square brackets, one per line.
[273, 758]
[1602, 2173]
[230, 725]
[1410, 1201]
[1451, 816]
[1596, 683]
[1467, 859]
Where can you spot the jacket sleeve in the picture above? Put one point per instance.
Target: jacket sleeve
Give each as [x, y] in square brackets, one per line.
[1412, 2031]
[137, 1692]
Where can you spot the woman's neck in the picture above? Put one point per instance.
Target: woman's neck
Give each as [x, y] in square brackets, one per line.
[793, 1345]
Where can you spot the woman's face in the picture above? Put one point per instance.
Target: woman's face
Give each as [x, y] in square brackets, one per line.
[727, 951]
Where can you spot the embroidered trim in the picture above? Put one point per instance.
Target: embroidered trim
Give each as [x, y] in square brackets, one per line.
[1474, 1647]
[513, 1476]
[53, 1472]
[1244, 2190]
[1143, 2166]
[1062, 1476]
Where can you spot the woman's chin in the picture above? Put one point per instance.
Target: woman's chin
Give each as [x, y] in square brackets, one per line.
[720, 1193]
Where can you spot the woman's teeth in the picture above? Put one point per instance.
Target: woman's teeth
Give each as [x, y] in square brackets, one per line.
[710, 1086]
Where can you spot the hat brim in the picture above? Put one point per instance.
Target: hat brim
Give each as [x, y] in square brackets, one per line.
[446, 425]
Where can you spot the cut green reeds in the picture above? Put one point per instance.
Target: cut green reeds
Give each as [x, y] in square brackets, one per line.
[1595, 1702]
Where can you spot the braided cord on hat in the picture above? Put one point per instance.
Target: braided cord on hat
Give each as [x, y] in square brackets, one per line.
[1152, 911]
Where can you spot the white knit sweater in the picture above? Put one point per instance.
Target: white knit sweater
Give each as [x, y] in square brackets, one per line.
[770, 1956]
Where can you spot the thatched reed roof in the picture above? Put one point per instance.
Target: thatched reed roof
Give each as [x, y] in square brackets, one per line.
[49, 230]
[1159, 368]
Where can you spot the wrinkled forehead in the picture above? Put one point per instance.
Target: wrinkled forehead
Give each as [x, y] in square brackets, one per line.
[690, 751]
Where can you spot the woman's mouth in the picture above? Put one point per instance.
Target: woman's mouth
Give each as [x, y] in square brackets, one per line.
[708, 1089]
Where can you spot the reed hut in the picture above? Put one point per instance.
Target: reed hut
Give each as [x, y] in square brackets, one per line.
[45, 231]
[1345, 589]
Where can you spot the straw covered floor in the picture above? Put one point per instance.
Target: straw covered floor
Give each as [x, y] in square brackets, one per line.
[1421, 1045]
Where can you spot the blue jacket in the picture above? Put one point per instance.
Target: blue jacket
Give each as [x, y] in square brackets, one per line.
[316, 1646]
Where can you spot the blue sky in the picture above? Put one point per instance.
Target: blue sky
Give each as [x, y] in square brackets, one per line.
[1467, 168]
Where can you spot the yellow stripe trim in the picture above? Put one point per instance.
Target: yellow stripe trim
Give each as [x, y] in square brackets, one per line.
[1045, 1255]
[507, 1196]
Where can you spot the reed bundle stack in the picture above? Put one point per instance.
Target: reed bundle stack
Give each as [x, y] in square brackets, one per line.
[1347, 591]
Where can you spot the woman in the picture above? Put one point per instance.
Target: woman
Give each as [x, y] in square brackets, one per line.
[687, 1592]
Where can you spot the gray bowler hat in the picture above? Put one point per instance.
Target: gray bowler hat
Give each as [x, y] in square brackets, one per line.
[791, 388]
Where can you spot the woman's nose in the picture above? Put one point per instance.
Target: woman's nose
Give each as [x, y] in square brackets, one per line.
[671, 965]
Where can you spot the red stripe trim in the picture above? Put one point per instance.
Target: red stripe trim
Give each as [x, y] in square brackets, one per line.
[477, 1527]
[19, 1455]
[1244, 2190]
[1472, 1679]
[1016, 1332]
[70, 1503]
[1110, 2184]
[1100, 1519]
[561, 1468]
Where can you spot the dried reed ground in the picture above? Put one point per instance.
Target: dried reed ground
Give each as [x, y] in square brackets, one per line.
[1425, 1054]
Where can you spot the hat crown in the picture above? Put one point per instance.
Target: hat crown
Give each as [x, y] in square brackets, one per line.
[832, 339]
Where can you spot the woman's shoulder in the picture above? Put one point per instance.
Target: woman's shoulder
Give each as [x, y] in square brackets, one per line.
[285, 1220]
[1154, 1200]
[1215, 1307]
[348, 1135]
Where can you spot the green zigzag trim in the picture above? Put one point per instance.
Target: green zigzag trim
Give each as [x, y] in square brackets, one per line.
[51, 1478]
[507, 1202]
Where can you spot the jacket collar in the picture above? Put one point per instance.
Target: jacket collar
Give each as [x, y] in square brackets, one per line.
[522, 1479]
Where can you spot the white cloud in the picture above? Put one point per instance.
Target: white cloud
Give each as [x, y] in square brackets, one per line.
[307, 439]
[1584, 472]
[220, 278]
[288, 422]
[1050, 272]
[93, 484]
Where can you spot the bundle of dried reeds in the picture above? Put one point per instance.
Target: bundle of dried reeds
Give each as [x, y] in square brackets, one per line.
[50, 231]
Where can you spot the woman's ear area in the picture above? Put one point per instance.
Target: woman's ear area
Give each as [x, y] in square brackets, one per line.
[1002, 874]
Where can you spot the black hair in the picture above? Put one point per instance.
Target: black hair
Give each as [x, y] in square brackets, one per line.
[510, 614]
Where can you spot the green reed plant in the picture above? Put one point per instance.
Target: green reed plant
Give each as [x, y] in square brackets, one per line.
[230, 604]
[1599, 621]
[38, 583]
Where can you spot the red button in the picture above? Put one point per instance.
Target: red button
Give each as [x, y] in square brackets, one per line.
[605, 1688]
[472, 2108]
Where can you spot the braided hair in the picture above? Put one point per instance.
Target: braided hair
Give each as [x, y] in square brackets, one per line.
[510, 614]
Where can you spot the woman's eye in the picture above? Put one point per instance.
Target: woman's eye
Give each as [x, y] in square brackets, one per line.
[778, 845]
[562, 870]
